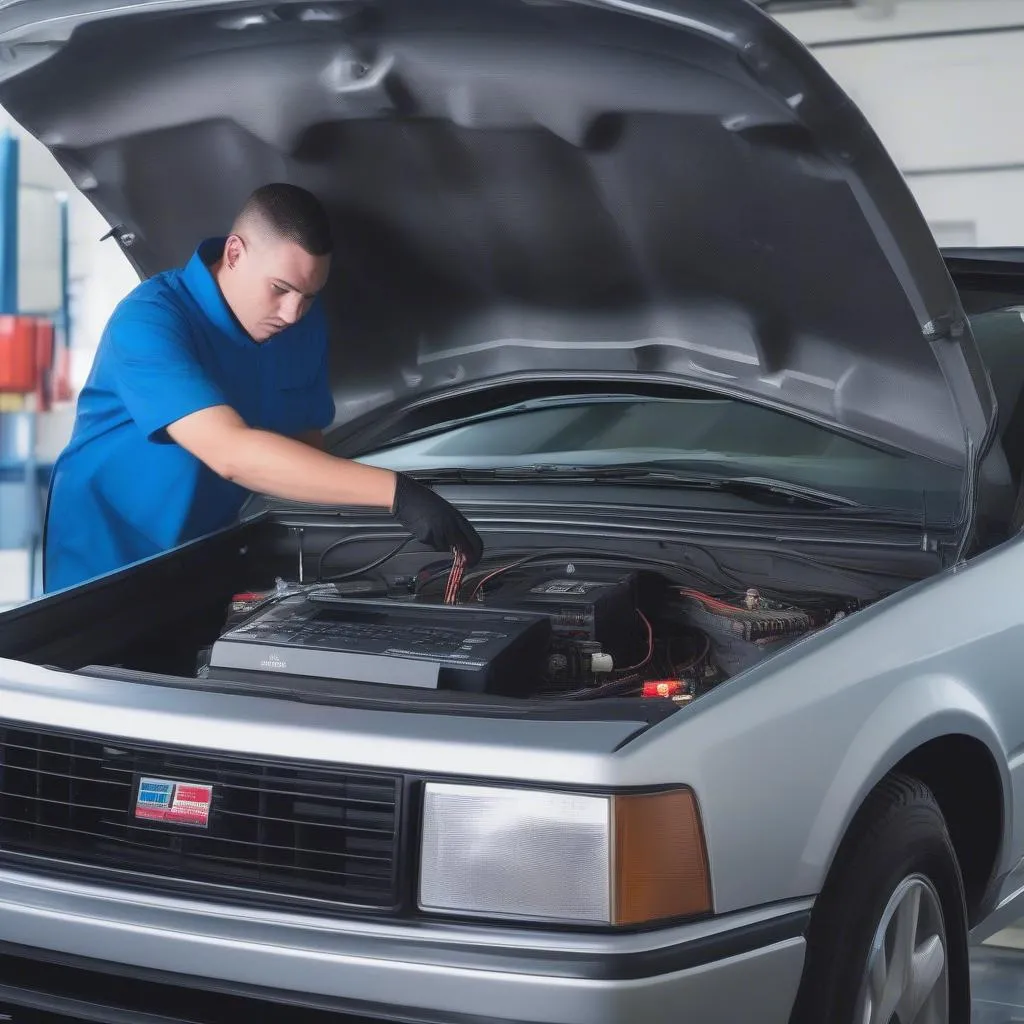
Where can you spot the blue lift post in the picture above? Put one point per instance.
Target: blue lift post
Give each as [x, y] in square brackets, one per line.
[9, 181]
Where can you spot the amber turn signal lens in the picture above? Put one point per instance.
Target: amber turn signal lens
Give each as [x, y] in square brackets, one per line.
[659, 859]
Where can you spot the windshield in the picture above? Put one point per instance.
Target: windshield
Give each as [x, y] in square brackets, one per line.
[720, 437]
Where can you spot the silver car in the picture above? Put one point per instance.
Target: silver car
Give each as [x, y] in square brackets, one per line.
[729, 724]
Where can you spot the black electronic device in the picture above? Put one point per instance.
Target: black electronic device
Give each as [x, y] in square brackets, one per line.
[593, 606]
[327, 636]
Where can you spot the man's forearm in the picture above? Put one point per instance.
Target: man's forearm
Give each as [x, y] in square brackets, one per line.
[284, 468]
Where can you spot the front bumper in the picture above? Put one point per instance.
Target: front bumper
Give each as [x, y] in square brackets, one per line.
[726, 971]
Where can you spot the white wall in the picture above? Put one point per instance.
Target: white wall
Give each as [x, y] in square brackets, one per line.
[947, 104]
[100, 278]
[871, 19]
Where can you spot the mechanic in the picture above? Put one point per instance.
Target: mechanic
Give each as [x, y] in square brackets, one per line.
[211, 382]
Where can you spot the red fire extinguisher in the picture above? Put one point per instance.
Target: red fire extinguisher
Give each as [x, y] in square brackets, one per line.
[19, 354]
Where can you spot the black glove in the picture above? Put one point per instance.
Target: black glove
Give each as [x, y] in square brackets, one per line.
[431, 520]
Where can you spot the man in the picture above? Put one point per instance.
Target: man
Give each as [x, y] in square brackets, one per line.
[211, 382]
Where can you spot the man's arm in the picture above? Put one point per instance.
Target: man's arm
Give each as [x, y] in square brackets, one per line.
[281, 467]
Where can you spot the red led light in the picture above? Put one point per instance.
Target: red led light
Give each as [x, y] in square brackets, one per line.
[663, 688]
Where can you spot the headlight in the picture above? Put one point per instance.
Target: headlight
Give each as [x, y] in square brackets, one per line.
[515, 853]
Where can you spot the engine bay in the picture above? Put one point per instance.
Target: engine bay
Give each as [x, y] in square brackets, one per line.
[535, 627]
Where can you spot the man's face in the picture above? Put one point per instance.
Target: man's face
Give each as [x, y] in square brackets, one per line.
[269, 283]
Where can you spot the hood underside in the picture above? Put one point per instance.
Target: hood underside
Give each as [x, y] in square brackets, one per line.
[527, 187]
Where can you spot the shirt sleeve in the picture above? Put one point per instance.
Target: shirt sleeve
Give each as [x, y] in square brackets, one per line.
[158, 376]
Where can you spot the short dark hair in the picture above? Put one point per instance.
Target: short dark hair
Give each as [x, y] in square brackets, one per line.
[292, 213]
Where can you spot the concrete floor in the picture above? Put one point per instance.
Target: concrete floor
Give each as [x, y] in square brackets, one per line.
[998, 985]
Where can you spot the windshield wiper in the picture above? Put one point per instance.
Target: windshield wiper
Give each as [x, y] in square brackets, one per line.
[756, 488]
[756, 485]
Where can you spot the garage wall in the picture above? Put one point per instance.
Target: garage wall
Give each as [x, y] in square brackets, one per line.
[941, 82]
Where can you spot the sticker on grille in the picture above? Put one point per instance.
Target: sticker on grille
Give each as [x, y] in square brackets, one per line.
[181, 803]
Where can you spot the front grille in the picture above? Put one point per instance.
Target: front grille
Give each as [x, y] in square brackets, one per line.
[275, 830]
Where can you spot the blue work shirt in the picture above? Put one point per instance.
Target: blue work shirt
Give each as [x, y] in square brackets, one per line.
[122, 490]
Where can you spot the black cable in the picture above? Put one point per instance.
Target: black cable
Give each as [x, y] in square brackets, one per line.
[386, 557]
[353, 539]
[623, 687]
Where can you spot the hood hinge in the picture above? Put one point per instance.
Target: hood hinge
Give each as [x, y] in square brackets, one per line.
[123, 237]
[949, 327]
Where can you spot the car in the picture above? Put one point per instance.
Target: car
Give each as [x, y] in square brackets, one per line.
[726, 727]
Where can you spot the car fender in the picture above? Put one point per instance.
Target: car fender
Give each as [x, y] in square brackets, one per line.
[917, 712]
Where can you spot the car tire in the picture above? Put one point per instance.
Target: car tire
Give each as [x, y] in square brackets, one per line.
[896, 858]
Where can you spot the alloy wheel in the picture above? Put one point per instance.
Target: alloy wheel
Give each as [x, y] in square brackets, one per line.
[906, 978]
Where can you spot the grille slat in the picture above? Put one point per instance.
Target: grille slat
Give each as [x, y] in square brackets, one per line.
[224, 842]
[275, 830]
[232, 843]
[33, 751]
[125, 783]
[354, 829]
[70, 804]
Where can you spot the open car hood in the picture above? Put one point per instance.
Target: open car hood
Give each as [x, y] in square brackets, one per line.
[672, 191]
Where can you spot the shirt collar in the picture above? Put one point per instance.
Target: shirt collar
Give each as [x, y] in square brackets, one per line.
[204, 289]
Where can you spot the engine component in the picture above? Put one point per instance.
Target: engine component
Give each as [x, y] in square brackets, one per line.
[574, 660]
[753, 624]
[741, 636]
[599, 609]
[329, 637]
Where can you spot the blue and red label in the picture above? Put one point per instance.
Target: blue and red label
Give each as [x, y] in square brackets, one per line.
[179, 803]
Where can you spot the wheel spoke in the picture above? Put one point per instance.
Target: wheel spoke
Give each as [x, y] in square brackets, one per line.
[907, 917]
[892, 991]
[925, 971]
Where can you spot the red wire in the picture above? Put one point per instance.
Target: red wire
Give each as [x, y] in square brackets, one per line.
[451, 590]
[713, 601]
[497, 572]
